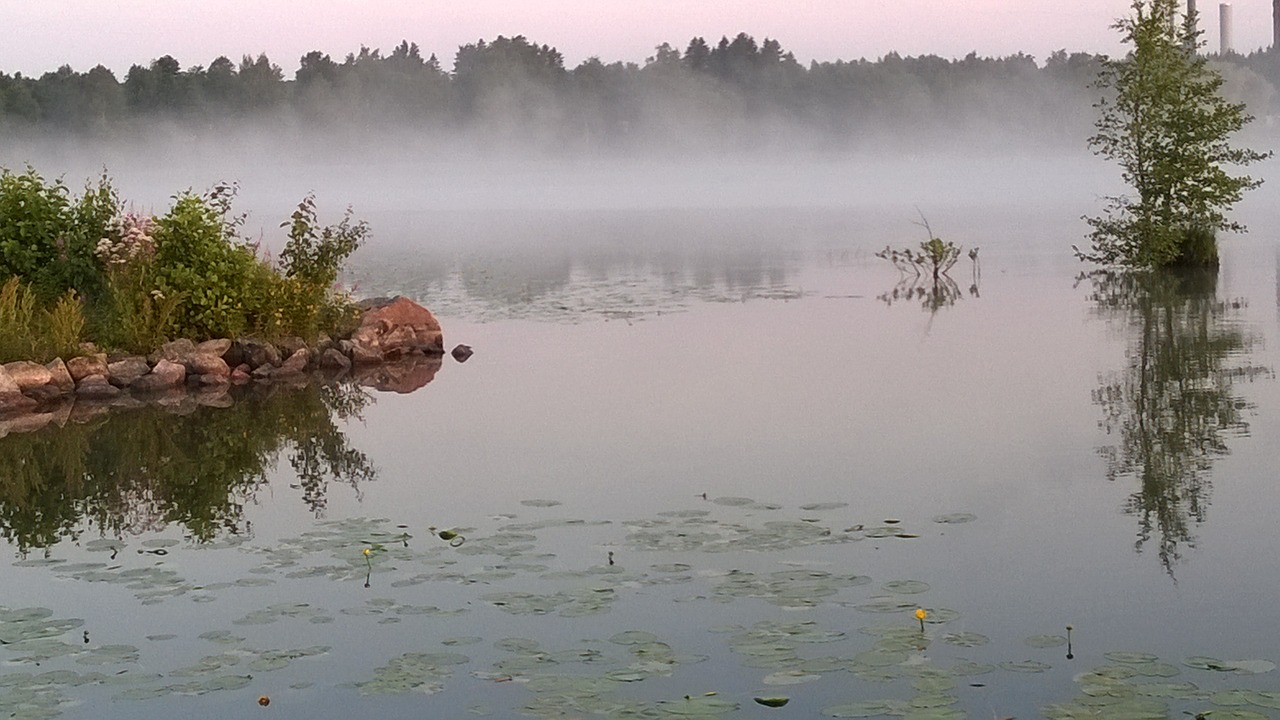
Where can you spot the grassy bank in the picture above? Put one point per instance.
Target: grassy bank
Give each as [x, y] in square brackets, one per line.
[78, 267]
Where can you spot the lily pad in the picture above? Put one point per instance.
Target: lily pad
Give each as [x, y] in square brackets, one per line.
[905, 587]
[1130, 657]
[1046, 641]
[773, 702]
[697, 706]
[1026, 666]
[965, 639]
[955, 518]
[865, 709]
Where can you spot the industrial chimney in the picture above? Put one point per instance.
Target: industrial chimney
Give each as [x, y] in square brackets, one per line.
[1275, 21]
[1224, 28]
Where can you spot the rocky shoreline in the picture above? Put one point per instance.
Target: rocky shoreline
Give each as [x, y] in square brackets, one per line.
[397, 346]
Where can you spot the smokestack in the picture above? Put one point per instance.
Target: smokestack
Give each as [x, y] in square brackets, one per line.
[1224, 28]
[1275, 21]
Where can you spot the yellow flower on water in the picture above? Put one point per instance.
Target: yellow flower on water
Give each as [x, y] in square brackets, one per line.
[921, 614]
[367, 551]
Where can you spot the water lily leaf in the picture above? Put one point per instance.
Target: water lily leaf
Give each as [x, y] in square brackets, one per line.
[1026, 666]
[773, 702]
[790, 677]
[955, 518]
[865, 709]
[1131, 657]
[905, 587]
[538, 502]
[1234, 714]
[965, 639]
[1045, 641]
[697, 706]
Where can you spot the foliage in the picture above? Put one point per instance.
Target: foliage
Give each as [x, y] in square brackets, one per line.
[29, 331]
[139, 470]
[924, 272]
[315, 254]
[730, 91]
[48, 237]
[1165, 122]
[145, 280]
[199, 257]
[1172, 410]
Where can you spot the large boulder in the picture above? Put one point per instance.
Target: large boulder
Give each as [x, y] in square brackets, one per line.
[255, 352]
[86, 365]
[393, 327]
[217, 347]
[11, 398]
[290, 345]
[60, 377]
[297, 361]
[175, 351]
[96, 387]
[165, 375]
[123, 373]
[27, 374]
[333, 359]
[202, 363]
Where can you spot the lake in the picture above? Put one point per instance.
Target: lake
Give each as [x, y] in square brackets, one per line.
[704, 453]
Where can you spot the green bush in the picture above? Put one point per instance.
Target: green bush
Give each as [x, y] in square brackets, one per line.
[187, 273]
[48, 237]
[199, 257]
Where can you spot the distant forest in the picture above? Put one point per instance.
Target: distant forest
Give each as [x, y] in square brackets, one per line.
[736, 91]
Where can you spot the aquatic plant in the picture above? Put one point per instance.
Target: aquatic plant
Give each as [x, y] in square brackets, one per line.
[923, 272]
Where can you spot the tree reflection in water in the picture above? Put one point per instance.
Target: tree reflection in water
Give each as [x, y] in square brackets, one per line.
[1172, 410]
[139, 470]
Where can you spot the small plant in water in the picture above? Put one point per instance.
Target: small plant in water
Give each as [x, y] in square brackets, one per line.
[921, 614]
[924, 271]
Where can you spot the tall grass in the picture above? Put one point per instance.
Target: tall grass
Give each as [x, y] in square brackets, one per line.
[30, 332]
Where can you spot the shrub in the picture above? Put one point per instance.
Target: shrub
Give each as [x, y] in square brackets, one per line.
[48, 237]
[199, 258]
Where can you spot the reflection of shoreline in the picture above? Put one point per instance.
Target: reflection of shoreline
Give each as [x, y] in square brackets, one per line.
[1170, 413]
[132, 470]
[403, 375]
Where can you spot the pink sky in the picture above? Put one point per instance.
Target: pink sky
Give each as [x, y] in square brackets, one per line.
[39, 35]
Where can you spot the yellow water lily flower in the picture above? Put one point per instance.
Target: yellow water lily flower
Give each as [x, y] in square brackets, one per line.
[921, 614]
[367, 552]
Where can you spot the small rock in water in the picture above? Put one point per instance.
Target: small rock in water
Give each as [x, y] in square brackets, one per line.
[462, 352]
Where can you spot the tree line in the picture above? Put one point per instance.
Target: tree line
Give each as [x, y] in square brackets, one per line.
[734, 90]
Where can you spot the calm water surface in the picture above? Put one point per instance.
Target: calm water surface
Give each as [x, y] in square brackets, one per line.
[693, 454]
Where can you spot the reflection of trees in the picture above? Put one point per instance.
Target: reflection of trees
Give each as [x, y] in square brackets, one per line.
[1171, 411]
[130, 471]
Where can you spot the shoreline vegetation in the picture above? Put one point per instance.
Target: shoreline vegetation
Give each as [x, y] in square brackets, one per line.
[105, 305]
[515, 93]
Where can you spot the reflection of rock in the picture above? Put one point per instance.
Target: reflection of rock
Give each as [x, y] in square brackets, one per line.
[462, 353]
[29, 422]
[403, 376]
[391, 328]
